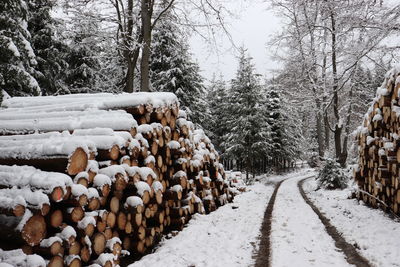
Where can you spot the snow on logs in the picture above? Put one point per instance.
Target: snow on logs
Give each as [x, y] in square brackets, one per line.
[378, 172]
[107, 176]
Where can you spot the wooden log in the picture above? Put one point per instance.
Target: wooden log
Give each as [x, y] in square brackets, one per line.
[85, 253]
[86, 229]
[114, 246]
[55, 218]
[108, 154]
[56, 261]
[139, 246]
[31, 232]
[121, 220]
[111, 219]
[72, 261]
[49, 247]
[55, 185]
[74, 214]
[72, 165]
[99, 243]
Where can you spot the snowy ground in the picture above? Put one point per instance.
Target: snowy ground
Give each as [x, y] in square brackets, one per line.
[377, 235]
[226, 237]
[230, 237]
[298, 236]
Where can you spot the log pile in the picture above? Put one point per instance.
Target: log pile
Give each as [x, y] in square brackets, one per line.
[236, 182]
[87, 179]
[378, 170]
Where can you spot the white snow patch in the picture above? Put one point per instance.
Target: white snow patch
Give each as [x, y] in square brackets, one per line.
[376, 235]
[222, 238]
[298, 236]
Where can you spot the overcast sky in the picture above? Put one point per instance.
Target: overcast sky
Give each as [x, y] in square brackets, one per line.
[252, 28]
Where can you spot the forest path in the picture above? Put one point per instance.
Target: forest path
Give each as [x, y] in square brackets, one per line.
[298, 234]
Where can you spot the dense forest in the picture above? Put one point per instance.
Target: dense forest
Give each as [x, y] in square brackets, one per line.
[334, 55]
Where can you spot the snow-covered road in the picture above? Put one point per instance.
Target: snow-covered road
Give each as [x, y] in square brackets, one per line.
[227, 237]
[298, 237]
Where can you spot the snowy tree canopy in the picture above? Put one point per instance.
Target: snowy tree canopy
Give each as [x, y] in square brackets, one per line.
[17, 59]
[173, 69]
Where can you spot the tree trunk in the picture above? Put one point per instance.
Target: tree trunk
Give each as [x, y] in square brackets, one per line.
[146, 11]
[320, 138]
[340, 157]
[327, 132]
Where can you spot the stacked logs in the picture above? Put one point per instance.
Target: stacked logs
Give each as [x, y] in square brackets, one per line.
[99, 187]
[378, 172]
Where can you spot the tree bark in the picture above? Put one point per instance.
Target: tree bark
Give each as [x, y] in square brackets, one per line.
[340, 156]
[146, 12]
[320, 139]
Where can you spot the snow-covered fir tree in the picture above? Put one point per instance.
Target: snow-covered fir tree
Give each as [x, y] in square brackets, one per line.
[83, 57]
[50, 51]
[274, 116]
[217, 100]
[248, 135]
[17, 60]
[285, 131]
[173, 69]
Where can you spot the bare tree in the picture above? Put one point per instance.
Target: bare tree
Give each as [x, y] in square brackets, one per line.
[329, 40]
[135, 21]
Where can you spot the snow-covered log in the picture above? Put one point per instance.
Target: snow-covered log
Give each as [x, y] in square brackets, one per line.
[101, 101]
[61, 154]
[29, 123]
[29, 228]
[18, 199]
[53, 184]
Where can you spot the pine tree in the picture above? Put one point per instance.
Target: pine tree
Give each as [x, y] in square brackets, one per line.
[50, 52]
[248, 133]
[17, 60]
[173, 70]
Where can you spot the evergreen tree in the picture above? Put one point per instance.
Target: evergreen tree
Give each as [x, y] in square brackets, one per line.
[84, 66]
[273, 105]
[50, 52]
[283, 118]
[173, 70]
[216, 125]
[248, 133]
[17, 59]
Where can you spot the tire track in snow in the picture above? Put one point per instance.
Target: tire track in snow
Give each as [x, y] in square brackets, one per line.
[298, 238]
[264, 252]
[352, 256]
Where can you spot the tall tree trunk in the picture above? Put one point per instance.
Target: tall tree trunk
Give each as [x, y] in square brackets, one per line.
[327, 132]
[130, 76]
[338, 127]
[146, 12]
[320, 138]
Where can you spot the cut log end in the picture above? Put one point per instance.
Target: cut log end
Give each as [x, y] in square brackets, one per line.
[56, 261]
[34, 230]
[56, 218]
[57, 194]
[77, 162]
[99, 243]
[18, 210]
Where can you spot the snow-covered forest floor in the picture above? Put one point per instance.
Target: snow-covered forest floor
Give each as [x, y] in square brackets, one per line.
[231, 235]
[371, 231]
[227, 237]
